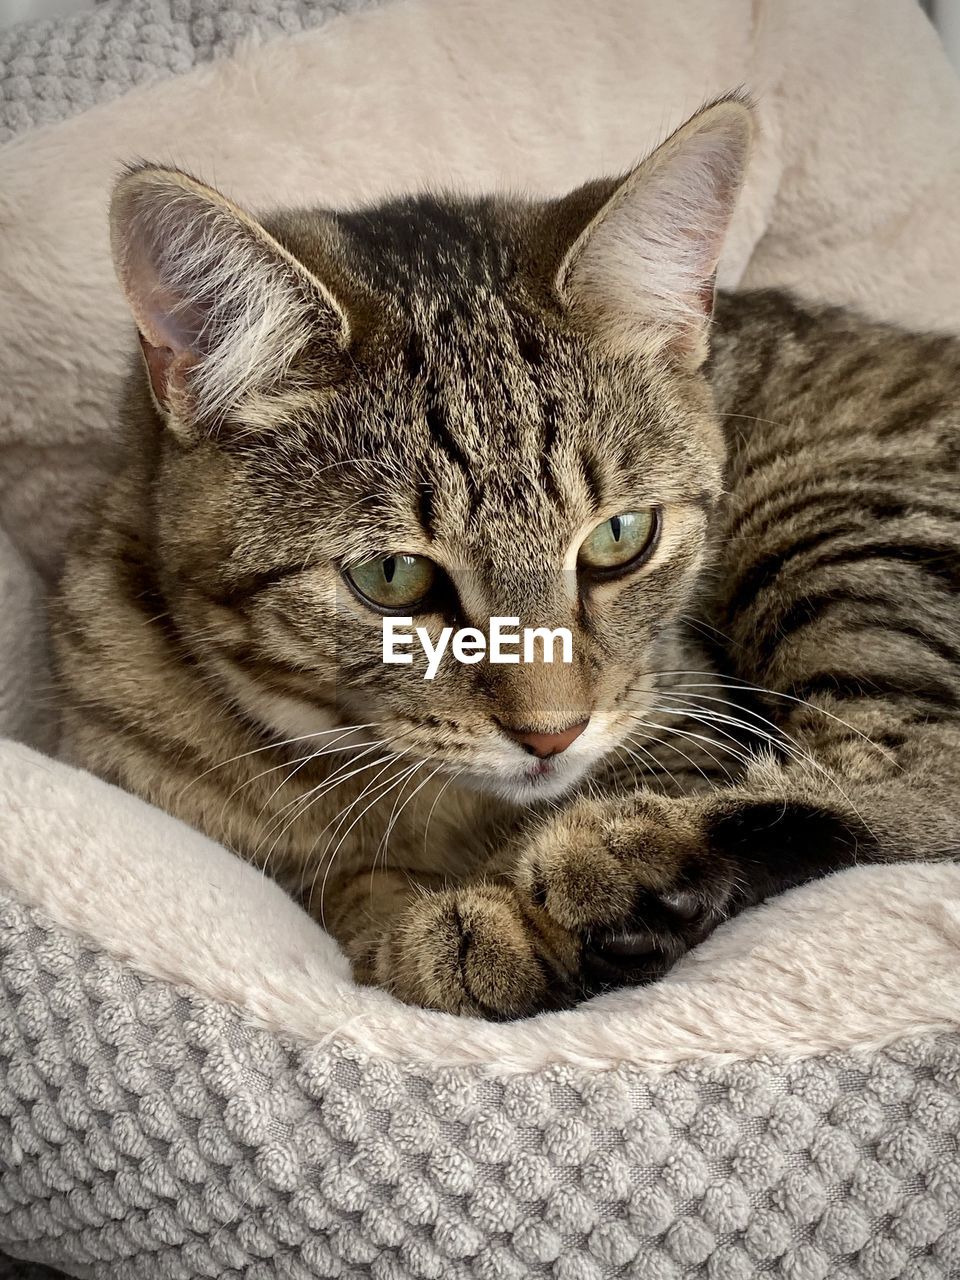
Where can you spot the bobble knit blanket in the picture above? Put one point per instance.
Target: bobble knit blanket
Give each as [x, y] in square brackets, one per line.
[190, 1084]
[49, 70]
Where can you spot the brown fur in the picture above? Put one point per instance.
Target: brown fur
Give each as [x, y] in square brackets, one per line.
[772, 695]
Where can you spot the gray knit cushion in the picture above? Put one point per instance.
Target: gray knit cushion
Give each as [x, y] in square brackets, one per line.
[148, 1132]
[49, 70]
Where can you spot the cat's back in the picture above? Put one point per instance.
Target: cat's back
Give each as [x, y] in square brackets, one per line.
[844, 450]
[793, 373]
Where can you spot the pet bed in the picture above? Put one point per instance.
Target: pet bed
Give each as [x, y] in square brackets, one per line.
[190, 1083]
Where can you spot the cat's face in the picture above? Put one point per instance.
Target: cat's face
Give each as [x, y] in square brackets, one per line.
[446, 410]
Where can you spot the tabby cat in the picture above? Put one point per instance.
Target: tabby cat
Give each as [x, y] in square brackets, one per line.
[744, 509]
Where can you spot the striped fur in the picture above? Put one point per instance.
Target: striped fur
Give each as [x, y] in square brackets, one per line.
[773, 695]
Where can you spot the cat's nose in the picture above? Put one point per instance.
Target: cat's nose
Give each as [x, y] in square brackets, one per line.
[543, 745]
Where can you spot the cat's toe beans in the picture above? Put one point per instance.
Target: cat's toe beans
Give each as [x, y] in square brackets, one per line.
[661, 927]
[684, 903]
[627, 957]
[628, 944]
[691, 916]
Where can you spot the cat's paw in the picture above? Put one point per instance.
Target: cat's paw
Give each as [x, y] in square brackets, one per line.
[632, 879]
[479, 950]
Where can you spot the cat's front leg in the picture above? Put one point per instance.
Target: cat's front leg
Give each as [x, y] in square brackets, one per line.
[480, 948]
[607, 892]
[643, 879]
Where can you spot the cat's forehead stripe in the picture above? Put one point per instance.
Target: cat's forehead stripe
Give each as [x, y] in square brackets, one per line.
[419, 242]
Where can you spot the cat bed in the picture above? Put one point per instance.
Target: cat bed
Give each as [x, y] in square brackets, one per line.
[190, 1083]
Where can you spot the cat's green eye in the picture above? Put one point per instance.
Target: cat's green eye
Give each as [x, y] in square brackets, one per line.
[393, 583]
[620, 542]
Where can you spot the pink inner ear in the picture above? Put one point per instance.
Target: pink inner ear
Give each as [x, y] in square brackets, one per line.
[166, 369]
[170, 328]
[166, 313]
[158, 360]
[172, 320]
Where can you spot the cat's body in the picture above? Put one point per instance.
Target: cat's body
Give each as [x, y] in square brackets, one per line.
[806, 543]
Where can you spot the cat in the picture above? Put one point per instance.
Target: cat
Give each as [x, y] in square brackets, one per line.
[744, 508]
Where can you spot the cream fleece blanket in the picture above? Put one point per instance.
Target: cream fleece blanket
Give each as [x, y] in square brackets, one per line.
[852, 197]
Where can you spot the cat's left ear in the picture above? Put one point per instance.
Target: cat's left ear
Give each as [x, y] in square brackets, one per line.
[641, 274]
[222, 308]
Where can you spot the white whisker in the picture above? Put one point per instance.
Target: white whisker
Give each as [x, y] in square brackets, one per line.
[329, 856]
[274, 746]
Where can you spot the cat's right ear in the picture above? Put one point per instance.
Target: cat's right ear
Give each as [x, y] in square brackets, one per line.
[223, 310]
[641, 272]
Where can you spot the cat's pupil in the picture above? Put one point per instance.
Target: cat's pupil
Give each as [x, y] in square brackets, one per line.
[615, 528]
[389, 568]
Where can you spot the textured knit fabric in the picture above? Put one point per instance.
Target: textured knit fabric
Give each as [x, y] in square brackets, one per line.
[149, 1133]
[49, 70]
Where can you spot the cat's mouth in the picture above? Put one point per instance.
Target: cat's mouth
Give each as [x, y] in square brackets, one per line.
[529, 781]
[534, 781]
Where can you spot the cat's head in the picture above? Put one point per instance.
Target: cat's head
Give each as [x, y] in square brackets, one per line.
[444, 408]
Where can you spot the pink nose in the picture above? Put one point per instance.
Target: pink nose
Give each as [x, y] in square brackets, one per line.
[543, 745]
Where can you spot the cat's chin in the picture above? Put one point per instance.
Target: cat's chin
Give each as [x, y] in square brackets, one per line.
[544, 781]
